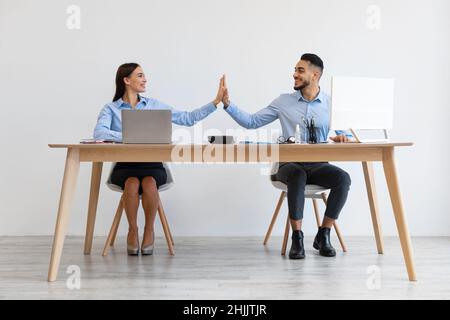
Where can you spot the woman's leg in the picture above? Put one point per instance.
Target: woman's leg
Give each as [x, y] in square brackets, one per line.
[131, 205]
[150, 202]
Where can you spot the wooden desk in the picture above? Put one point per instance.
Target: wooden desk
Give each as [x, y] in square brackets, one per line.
[99, 153]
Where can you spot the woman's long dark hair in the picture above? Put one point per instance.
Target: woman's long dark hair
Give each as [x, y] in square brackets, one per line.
[124, 71]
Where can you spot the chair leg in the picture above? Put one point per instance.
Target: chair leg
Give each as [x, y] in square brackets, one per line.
[165, 228]
[274, 217]
[114, 227]
[316, 212]
[339, 235]
[113, 239]
[336, 227]
[163, 216]
[286, 236]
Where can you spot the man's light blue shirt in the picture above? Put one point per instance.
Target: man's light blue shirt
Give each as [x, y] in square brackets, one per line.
[290, 109]
[109, 123]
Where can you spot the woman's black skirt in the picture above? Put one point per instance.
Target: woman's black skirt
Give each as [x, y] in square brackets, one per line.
[124, 170]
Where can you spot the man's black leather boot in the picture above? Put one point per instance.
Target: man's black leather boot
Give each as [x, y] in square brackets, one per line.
[297, 248]
[323, 244]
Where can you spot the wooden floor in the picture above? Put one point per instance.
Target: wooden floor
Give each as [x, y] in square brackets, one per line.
[224, 268]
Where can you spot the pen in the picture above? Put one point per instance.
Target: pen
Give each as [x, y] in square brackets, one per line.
[305, 122]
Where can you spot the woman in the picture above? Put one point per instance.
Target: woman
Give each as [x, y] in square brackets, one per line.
[136, 178]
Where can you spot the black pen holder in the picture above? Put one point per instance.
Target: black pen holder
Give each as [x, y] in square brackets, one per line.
[312, 135]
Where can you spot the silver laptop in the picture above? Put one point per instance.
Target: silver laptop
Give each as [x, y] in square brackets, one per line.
[147, 126]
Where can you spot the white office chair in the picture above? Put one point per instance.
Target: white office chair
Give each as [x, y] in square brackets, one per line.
[313, 192]
[162, 216]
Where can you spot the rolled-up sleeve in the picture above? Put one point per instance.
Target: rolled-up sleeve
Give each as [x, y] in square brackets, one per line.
[189, 118]
[255, 120]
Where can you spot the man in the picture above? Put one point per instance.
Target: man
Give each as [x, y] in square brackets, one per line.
[307, 102]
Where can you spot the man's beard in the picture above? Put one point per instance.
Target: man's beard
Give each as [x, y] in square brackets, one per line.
[303, 86]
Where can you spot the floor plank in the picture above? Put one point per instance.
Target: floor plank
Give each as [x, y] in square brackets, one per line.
[224, 268]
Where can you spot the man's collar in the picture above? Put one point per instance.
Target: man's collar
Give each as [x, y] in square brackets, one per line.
[320, 97]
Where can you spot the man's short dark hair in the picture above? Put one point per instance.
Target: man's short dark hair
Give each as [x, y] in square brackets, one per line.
[313, 59]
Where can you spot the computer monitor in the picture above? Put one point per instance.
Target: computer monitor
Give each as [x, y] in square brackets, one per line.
[360, 104]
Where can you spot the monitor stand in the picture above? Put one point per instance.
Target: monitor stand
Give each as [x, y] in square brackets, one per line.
[359, 136]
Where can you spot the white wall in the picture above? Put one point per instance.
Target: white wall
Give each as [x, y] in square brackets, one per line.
[54, 81]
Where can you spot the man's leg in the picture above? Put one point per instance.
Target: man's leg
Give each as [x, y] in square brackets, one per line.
[294, 177]
[296, 224]
[335, 179]
[327, 222]
[338, 181]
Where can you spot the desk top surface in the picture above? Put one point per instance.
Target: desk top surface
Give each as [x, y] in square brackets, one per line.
[331, 145]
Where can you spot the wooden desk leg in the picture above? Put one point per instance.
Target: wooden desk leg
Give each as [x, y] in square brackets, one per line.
[373, 203]
[65, 202]
[274, 217]
[390, 172]
[93, 201]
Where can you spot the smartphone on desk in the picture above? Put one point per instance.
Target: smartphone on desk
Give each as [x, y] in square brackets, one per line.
[94, 141]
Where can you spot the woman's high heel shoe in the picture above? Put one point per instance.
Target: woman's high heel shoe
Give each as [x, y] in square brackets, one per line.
[133, 250]
[148, 250]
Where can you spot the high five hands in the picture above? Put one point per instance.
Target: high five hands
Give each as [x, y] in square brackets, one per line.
[222, 93]
[222, 96]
